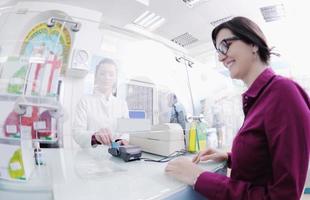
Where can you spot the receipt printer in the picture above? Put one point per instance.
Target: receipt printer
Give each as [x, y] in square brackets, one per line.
[162, 139]
[126, 152]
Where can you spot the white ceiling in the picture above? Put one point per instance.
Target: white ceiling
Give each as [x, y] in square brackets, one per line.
[179, 17]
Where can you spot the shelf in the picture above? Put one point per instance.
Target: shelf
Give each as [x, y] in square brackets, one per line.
[16, 141]
[26, 96]
[50, 103]
[13, 141]
[40, 105]
[31, 99]
[46, 141]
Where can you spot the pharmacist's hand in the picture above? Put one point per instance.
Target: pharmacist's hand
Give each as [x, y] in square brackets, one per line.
[122, 142]
[210, 154]
[104, 136]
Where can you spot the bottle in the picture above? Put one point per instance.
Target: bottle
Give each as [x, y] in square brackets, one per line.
[201, 136]
[38, 154]
[192, 138]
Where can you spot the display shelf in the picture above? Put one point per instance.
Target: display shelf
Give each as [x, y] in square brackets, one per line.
[33, 99]
[8, 140]
[40, 105]
[44, 141]
[11, 140]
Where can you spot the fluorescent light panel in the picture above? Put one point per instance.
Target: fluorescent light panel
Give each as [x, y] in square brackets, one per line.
[144, 2]
[149, 20]
[152, 20]
[157, 24]
[136, 21]
[192, 3]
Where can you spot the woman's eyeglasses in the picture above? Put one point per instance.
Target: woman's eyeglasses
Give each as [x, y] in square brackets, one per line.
[225, 44]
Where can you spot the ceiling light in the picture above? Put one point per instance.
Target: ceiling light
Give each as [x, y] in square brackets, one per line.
[149, 20]
[157, 24]
[192, 3]
[152, 20]
[141, 17]
[144, 2]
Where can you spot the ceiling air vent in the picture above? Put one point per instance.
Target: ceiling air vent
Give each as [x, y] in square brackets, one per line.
[184, 39]
[219, 21]
[273, 13]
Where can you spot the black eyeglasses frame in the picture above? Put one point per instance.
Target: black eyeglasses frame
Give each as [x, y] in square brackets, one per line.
[225, 43]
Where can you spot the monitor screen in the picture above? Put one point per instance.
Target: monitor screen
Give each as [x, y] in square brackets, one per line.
[136, 114]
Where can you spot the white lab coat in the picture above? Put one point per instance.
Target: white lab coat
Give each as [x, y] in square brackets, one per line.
[95, 112]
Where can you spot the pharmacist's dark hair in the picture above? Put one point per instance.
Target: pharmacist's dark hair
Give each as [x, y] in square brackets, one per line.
[102, 64]
[105, 61]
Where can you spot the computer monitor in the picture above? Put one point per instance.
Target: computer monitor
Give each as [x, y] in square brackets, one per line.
[136, 114]
[140, 99]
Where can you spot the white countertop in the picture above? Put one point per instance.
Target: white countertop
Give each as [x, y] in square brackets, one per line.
[94, 174]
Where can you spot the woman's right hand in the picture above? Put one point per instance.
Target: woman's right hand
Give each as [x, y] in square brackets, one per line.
[210, 154]
[104, 136]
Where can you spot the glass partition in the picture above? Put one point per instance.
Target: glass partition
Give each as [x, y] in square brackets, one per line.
[34, 57]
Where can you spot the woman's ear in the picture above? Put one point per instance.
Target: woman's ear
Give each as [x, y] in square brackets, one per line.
[254, 48]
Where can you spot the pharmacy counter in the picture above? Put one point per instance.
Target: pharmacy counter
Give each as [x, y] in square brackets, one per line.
[94, 174]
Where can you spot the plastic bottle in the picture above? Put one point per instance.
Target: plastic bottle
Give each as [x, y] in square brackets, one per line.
[192, 138]
[38, 154]
[201, 136]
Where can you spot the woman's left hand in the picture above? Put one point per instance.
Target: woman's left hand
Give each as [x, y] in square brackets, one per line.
[184, 170]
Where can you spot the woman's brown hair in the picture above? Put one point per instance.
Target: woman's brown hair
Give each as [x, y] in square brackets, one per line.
[247, 31]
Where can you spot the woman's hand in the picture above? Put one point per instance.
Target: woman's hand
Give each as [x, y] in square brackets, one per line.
[210, 154]
[184, 170]
[104, 136]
